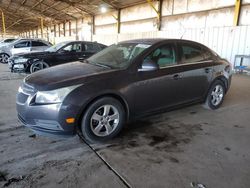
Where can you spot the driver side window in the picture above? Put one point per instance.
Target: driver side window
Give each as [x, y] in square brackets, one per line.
[163, 56]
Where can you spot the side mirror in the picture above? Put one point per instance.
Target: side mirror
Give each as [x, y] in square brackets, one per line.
[148, 65]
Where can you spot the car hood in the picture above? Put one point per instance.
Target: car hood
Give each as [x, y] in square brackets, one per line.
[4, 46]
[65, 75]
[33, 54]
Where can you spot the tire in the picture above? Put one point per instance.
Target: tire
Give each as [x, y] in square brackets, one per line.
[103, 120]
[215, 95]
[4, 58]
[38, 65]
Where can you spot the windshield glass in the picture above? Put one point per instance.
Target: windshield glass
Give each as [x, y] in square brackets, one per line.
[118, 55]
[56, 47]
[9, 40]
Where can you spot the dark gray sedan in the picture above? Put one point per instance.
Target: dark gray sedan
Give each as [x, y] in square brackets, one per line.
[125, 81]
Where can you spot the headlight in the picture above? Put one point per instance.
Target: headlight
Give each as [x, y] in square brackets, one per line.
[20, 60]
[53, 96]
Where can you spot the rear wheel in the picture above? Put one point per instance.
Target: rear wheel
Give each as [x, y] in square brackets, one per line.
[4, 58]
[103, 120]
[215, 95]
[38, 65]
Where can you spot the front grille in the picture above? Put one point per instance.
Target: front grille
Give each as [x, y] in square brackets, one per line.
[21, 119]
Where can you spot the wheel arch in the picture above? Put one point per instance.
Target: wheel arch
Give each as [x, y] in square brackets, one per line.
[221, 78]
[5, 53]
[109, 94]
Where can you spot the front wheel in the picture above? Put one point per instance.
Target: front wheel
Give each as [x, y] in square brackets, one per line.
[38, 65]
[4, 58]
[215, 95]
[103, 120]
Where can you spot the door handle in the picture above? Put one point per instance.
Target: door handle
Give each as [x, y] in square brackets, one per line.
[177, 77]
[208, 70]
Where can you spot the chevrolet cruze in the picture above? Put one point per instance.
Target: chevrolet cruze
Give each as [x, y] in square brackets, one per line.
[125, 81]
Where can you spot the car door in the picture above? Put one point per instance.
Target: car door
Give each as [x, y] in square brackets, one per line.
[157, 89]
[21, 47]
[37, 46]
[196, 69]
[68, 53]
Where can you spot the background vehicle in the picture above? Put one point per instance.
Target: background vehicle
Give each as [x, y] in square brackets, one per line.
[22, 46]
[122, 82]
[63, 52]
[4, 42]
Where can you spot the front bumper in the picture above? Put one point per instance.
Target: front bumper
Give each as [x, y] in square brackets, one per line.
[47, 119]
[16, 67]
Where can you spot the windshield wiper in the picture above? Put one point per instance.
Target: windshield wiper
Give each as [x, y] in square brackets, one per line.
[102, 65]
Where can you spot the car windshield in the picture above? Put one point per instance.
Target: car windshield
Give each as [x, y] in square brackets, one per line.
[118, 55]
[56, 47]
[8, 40]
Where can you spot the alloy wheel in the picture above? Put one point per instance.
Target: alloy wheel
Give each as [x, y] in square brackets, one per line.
[217, 95]
[4, 58]
[104, 120]
[38, 66]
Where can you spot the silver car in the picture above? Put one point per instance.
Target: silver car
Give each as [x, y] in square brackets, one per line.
[22, 46]
[6, 41]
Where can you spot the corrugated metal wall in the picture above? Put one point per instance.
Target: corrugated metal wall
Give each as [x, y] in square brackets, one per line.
[226, 41]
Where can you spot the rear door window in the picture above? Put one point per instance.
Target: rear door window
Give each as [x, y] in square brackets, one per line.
[101, 46]
[23, 44]
[37, 43]
[192, 53]
[91, 47]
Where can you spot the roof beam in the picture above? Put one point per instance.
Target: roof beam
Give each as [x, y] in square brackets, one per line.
[111, 4]
[73, 4]
[38, 3]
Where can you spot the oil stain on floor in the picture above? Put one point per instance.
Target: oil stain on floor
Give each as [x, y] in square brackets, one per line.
[159, 136]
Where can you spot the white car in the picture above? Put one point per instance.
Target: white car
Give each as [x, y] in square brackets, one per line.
[6, 41]
[22, 46]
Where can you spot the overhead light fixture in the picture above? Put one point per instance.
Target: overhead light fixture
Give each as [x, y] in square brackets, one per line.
[103, 9]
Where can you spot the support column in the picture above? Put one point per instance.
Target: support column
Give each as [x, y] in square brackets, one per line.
[64, 32]
[41, 24]
[77, 38]
[3, 24]
[54, 30]
[237, 11]
[119, 21]
[158, 12]
[70, 28]
[93, 25]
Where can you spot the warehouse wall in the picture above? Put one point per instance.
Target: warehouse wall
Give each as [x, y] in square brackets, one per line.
[176, 14]
[226, 41]
[208, 22]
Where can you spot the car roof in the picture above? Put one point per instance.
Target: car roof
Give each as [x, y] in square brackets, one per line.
[157, 40]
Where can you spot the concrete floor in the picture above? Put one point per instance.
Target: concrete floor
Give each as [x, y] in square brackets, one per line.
[173, 149]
